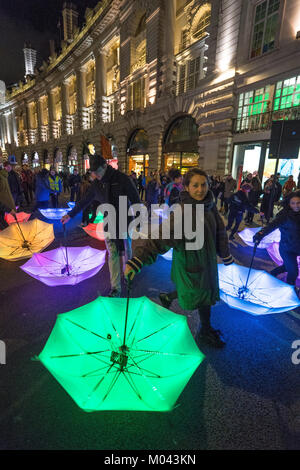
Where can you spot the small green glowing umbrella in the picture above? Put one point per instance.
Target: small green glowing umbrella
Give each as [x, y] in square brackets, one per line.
[107, 363]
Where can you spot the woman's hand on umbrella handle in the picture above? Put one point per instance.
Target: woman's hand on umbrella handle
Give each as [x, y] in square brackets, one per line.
[129, 273]
[65, 219]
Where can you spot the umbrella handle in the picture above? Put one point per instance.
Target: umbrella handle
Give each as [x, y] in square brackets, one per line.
[253, 255]
[129, 285]
[65, 237]
[15, 216]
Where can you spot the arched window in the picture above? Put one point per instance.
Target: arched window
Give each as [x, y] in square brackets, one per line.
[141, 26]
[201, 22]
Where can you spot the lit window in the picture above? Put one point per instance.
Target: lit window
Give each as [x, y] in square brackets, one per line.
[202, 25]
[287, 93]
[265, 27]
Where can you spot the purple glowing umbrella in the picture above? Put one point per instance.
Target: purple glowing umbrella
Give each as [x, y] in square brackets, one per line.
[273, 251]
[248, 233]
[61, 267]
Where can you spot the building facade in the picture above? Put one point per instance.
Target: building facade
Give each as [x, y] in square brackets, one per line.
[162, 83]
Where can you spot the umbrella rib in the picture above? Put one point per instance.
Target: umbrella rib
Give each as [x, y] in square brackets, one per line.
[96, 371]
[85, 329]
[155, 332]
[87, 353]
[133, 386]
[113, 383]
[100, 381]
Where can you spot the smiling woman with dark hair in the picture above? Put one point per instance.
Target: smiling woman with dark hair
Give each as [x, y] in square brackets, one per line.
[194, 271]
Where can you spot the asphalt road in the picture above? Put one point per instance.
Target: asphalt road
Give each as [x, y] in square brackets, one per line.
[245, 396]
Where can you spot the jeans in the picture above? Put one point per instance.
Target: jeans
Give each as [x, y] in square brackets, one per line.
[234, 216]
[114, 260]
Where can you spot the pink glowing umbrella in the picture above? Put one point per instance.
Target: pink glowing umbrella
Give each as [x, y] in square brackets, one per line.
[62, 267]
[248, 233]
[95, 231]
[21, 217]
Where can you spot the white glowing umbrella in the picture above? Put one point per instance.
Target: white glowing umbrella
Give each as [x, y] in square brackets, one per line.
[248, 233]
[264, 293]
[54, 214]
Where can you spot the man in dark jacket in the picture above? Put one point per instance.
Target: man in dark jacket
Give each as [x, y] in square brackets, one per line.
[7, 203]
[14, 183]
[238, 204]
[107, 188]
[74, 182]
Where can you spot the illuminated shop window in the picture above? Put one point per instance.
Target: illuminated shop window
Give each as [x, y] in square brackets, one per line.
[265, 27]
[252, 103]
[287, 93]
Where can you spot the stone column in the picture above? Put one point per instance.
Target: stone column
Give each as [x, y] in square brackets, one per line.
[52, 114]
[14, 126]
[100, 83]
[81, 98]
[169, 67]
[40, 118]
[65, 109]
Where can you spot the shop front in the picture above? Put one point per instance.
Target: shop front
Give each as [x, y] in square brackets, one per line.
[58, 160]
[72, 161]
[137, 152]
[25, 159]
[180, 147]
[46, 160]
[254, 156]
[35, 160]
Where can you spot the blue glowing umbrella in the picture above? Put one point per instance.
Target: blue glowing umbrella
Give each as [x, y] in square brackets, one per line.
[263, 293]
[71, 204]
[54, 214]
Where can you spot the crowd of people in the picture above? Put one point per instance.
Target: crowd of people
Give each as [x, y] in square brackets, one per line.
[194, 272]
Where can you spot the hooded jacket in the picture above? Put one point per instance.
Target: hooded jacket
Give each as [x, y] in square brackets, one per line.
[288, 222]
[6, 199]
[194, 272]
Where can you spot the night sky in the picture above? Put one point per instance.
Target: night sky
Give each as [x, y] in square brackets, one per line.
[34, 21]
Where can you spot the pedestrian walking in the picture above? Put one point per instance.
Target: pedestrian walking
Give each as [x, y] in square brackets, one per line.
[42, 189]
[107, 188]
[194, 272]
[74, 183]
[288, 222]
[14, 182]
[55, 187]
[174, 188]
[238, 204]
[229, 187]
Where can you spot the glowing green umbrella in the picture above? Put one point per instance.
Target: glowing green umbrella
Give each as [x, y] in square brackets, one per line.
[105, 365]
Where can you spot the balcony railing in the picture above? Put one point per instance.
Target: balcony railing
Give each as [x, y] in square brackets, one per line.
[263, 121]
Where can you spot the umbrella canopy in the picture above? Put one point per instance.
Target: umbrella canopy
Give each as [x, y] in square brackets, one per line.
[264, 293]
[60, 267]
[169, 255]
[71, 204]
[95, 231]
[21, 217]
[273, 251]
[248, 233]
[54, 214]
[19, 241]
[147, 371]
